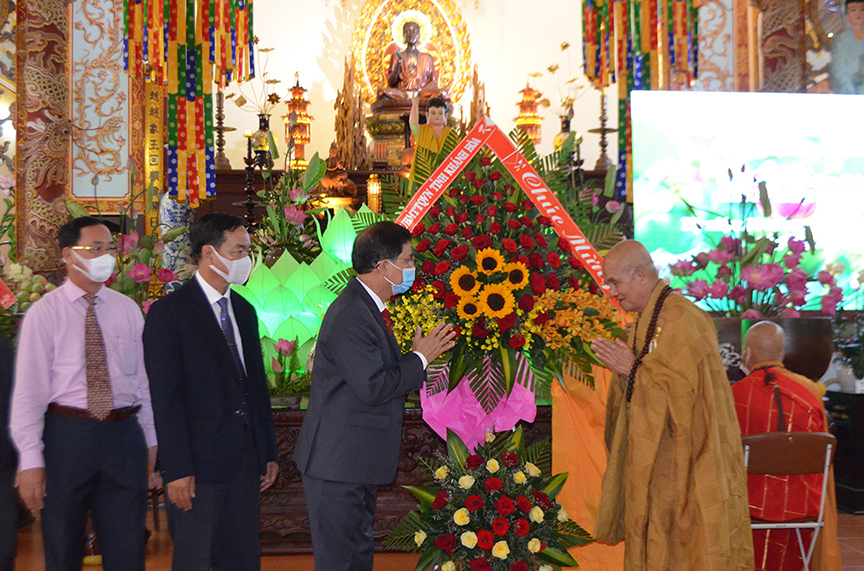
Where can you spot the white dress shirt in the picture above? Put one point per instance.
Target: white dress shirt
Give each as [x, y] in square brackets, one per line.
[381, 307]
[213, 297]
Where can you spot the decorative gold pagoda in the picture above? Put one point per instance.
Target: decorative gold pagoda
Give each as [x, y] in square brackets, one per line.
[298, 123]
[528, 119]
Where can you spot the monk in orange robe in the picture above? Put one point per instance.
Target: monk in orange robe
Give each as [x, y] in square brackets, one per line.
[779, 498]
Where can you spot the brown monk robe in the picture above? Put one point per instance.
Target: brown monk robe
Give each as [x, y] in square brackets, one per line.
[675, 487]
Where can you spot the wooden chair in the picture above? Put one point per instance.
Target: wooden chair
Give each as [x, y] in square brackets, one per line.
[788, 453]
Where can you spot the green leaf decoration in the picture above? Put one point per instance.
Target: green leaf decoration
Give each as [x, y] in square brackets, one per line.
[261, 283]
[540, 454]
[402, 536]
[292, 328]
[424, 495]
[557, 557]
[808, 235]
[488, 384]
[314, 172]
[456, 449]
[764, 200]
[572, 535]
[430, 558]
[279, 303]
[263, 330]
[272, 146]
[337, 282]
[395, 192]
[302, 280]
[317, 300]
[173, 233]
[76, 210]
[338, 238]
[508, 367]
[325, 266]
[365, 218]
[543, 379]
[554, 485]
[284, 267]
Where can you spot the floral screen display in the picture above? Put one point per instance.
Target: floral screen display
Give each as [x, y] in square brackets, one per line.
[715, 173]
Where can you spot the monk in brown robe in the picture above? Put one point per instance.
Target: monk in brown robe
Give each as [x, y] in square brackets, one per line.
[675, 488]
[781, 498]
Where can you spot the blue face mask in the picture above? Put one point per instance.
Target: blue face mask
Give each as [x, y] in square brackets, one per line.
[407, 279]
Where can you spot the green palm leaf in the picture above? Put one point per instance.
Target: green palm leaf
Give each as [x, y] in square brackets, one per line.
[540, 454]
[402, 536]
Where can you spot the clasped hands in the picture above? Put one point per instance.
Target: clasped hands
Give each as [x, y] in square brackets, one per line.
[617, 356]
[181, 491]
[438, 341]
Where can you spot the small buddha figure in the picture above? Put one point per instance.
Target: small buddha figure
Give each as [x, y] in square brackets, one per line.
[411, 73]
[336, 181]
[433, 135]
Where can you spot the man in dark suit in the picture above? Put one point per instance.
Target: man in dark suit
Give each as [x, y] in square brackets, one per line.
[211, 404]
[8, 464]
[349, 441]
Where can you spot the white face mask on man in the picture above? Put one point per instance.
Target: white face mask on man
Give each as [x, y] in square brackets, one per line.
[96, 269]
[238, 270]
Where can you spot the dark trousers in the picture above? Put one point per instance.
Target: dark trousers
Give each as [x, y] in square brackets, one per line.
[340, 519]
[221, 529]
[101, 467]
[8, 520]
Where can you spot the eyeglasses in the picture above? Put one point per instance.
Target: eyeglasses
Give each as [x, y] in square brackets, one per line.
[113, 250]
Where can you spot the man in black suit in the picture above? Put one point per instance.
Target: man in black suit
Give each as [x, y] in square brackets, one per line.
[211, 404]
[8, 464]
[349, 441]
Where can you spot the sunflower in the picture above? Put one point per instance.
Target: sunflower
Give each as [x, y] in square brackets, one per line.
[464, 282]
[496, 300]
[489, 261]
[517, 275]
[468, 308]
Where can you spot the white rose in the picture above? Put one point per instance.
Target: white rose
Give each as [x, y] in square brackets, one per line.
[489, 437]
[465, 482]
[469, 539]
[536, 514]
[501, 550]
[419, 537]
[461, 517]
[448, 566]
[533, 470]
[562, 514]
[492, 465]
[441, 473]
[534, 545]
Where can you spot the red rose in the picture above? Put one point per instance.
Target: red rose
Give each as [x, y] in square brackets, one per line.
[451, 300]
[462, 217]
[473, 462]
[444, 266]
[527, 222]
[419, 229]
[451, 211]
[575, 263]
[552, 282]
[459, 253]
[504, 505]
[463, 198]
[482, 242]
[467, 233]
[554, 260]
[441, 500]
[493, 485]
[522, 527]
[524, 505]
[479, 330]
[500, 526]
[527, 204]
[497, 196]
[479, 199]
[513, 224]
[541, 240]
[441, 246]
[535, 261]
[470, 175]
[545, 221]
[436, 210]
[473, 503]
[480, 564]
[491, 210]
[478, 183]
[538, 286]
[509, 459]
[510, 207]
[516, 341]
[506, 323]
[422, 245]
[526, 241]
[526, 303]
[485, 161]
[428, 267]
[494, 228]
[519, 566]
[435, 228]
[418, 285]
[451, 229]
[485, 539]
[541, 318]
[495, 176]
[573, 282]
[564, 246]
[542, 500]
[446, 542]
[593, 289]
[440, 288]
[510, 245]
[522, 258]
[453, 192]
[479, 219]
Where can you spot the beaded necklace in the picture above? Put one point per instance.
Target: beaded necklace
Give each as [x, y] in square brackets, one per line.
[649, 336]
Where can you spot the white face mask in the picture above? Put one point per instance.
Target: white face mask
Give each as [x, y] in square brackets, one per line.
[238, 270]
[96, 269]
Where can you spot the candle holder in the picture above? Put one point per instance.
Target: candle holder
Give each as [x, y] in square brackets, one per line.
[250, 203]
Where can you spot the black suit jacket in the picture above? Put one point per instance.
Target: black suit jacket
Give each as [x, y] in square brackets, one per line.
[8, 455]
[353, 426]
[195, 391]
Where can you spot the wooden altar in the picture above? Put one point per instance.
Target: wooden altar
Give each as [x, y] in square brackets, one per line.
[284, 523]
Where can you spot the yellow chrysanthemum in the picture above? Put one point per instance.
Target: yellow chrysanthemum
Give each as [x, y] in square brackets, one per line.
[490, 261]
[496, 300]
[464, 282]
[468, 308]
[517, 275]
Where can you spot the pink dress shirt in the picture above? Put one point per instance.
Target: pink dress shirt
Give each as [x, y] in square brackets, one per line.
[51, 366]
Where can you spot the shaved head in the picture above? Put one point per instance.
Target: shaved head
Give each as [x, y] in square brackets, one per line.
[630, 273]
[763, 342]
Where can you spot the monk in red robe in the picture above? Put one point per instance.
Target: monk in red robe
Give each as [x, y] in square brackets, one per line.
[779, 498]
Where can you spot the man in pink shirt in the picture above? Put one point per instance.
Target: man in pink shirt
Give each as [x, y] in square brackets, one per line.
[81, 416]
